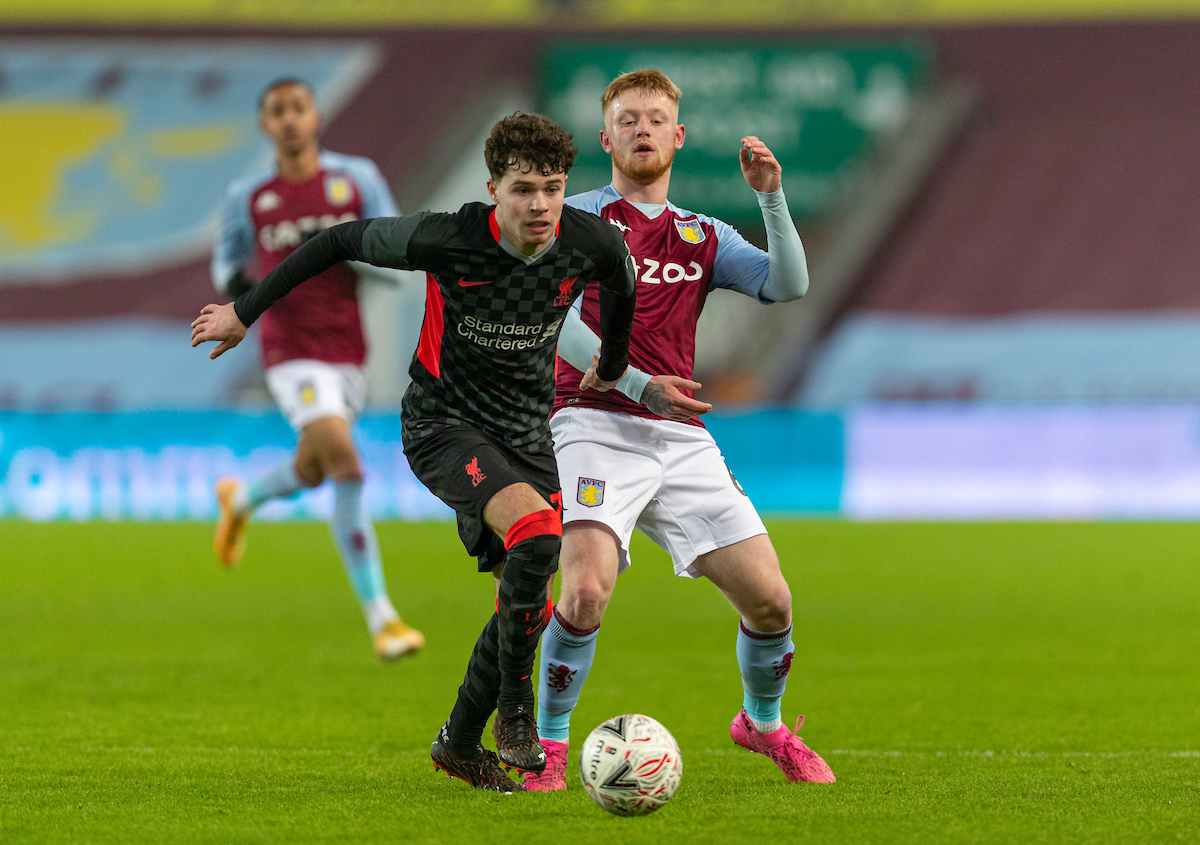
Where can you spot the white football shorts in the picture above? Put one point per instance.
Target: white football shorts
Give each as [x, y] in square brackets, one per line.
[307, 390]
[667, 479]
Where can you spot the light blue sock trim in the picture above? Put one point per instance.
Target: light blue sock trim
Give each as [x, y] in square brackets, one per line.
[556, 726]
[356, 541]
[763, 709]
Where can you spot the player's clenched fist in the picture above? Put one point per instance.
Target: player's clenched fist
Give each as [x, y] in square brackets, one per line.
[221, 323]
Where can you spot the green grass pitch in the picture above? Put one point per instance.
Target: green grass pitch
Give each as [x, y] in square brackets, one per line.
[967, 683]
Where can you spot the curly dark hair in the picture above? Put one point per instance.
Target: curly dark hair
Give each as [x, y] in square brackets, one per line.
[529, 142]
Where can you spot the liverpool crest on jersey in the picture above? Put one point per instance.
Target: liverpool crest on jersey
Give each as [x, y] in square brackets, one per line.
[690, 230]
[590, 493]
[337, 190]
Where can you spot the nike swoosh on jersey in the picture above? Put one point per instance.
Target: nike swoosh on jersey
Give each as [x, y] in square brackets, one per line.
[463, 281]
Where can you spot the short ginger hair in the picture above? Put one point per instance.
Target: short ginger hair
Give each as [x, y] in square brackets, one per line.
[647, 79]
[530, 142]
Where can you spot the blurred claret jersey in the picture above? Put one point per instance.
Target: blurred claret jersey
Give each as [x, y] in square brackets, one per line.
[266, 216]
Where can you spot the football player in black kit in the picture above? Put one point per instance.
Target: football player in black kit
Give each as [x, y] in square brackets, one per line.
[500, 279]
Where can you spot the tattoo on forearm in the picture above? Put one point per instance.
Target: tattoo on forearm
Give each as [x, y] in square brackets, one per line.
[655, 398]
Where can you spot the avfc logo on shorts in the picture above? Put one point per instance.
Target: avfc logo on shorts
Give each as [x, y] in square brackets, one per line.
[308, 392]
[337, 190]
[690, 230]
[591, 492]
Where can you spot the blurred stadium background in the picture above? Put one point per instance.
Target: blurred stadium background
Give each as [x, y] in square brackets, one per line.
[997, 198]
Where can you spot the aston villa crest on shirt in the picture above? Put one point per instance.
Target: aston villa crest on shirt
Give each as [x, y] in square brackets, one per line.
[267, 201]
[590, 493]
[337, 190]
[690, 230]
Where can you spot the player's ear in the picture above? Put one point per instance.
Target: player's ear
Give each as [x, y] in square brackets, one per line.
[605, 142]
[679, 133]
[491, 186]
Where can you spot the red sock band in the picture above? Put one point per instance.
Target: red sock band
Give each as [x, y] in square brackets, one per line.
[533, 525]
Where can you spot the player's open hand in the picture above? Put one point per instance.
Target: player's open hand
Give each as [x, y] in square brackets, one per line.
[762, 171]
[664, 396]
[591, 381]
[218, 322]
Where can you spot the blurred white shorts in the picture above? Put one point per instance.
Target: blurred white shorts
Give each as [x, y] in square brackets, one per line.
[307, 390]
[668, 479]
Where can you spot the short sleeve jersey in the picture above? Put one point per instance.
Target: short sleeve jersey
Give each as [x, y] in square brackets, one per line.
[486, 354]
[267, 216]
[679, 257]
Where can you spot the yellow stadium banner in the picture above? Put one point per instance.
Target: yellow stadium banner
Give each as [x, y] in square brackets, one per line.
[588, 14]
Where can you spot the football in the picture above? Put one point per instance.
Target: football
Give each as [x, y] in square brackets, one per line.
[630, 765]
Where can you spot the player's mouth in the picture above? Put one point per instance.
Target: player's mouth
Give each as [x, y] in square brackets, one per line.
[539, 227]
[643, 147]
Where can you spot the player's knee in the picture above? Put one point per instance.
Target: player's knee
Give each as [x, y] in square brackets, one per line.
[587, 605]
[542, 530]
[771, 610]
[340, 463]
[309, 472]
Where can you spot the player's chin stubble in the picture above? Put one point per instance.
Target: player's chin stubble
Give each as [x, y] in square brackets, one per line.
[644, 173]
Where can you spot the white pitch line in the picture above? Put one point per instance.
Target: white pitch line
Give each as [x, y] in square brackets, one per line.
[1016, 754]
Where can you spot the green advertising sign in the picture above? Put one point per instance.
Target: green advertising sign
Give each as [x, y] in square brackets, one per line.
[819, 107]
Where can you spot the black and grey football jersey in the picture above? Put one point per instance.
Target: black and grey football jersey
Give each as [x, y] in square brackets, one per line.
[486, 355]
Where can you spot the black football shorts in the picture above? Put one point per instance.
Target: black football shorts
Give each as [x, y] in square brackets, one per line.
[466, 467]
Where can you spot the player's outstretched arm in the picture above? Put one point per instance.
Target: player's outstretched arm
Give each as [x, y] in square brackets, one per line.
[336, 244]
[787, 278]
[228, 323]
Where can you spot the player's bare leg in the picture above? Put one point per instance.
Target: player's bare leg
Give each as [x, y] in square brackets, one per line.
[590, 561]
[589, 573]
[748, 574]
[326, 451]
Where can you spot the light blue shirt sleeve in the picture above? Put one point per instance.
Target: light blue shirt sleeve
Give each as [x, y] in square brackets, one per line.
[377, 199]
[234, 245]
[739, 264]
[779, 276]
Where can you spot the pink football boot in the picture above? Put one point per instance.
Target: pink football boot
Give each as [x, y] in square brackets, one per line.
[554, 778]
[787, 751]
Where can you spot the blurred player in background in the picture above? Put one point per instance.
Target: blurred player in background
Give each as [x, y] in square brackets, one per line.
[643, 459]
[312, 342]
[501, 280]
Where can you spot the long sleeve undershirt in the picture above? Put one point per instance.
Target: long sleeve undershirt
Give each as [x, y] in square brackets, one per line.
[787, 279]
